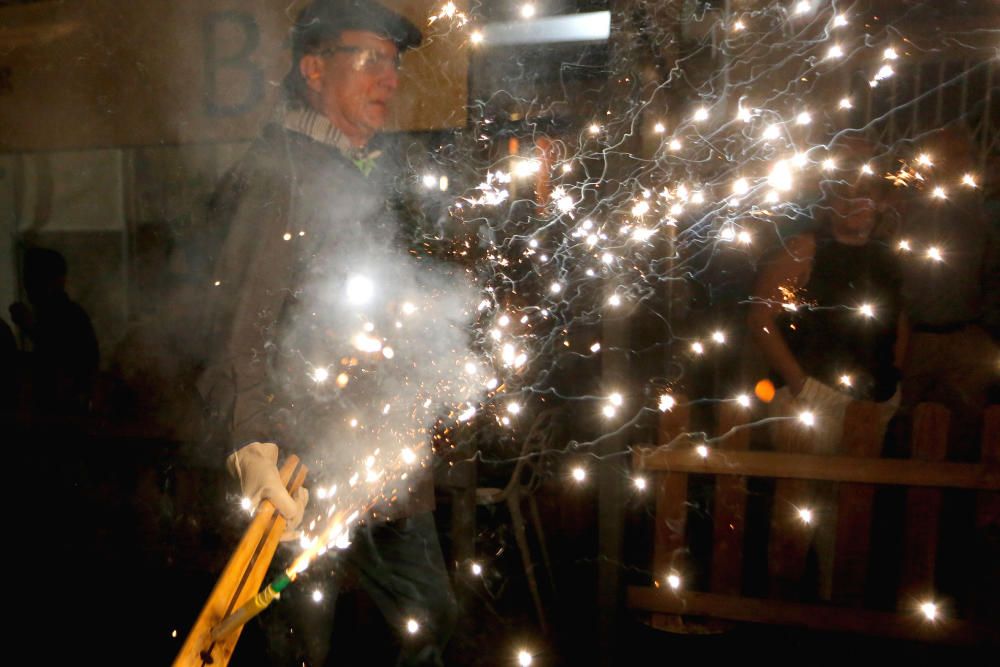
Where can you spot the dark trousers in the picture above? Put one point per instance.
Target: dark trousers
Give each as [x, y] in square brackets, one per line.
[400, 566]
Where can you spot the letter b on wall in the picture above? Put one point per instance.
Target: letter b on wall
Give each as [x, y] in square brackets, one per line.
[234, 83]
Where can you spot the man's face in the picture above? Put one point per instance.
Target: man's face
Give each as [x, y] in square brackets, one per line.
[353, 79]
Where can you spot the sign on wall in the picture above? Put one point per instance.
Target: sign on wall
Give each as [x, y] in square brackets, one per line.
[106, 73]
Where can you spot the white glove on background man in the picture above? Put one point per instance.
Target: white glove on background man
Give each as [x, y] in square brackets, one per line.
[256, 466]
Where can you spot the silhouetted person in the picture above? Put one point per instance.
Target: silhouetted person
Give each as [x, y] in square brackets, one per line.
[9, 370]
[64, 355]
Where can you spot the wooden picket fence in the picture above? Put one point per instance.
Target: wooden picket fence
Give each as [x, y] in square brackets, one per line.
[856, 473]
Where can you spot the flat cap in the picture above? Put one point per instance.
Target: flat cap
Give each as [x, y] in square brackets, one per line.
[323, 19]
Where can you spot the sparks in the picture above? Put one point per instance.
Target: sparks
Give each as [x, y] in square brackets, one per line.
[667, 403]
[615, 300]
[829, 164]
[595, 128]
[772, 132]
[412, 626]
[845, 380]
[675, 144]
[524, 658]
[738, 25]
[360, 290]
[924, 160]
[804, 118]
[616, 399]
[805, 515]
[939, 193]
[867, 170]
[835, 51]
[579, 474]
[639, 483]
[929, 610]
[741, 186]
[702, 451]
[317, 595]
[744, 237]
[697, 348]
[904, 245]
[674, 581]
[245, 504]
[701, 114]
[867, 310]
[743, 400]
[477, 569]
[659, 128]
[934, 253]
[514, 408]
[476, 37]
[719, 337]
[839, 21]
[527, 10]
[846, 103]
[890, 54]
[609, 411]
[807, 418]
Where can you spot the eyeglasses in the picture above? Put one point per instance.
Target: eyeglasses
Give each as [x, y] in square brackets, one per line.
[368, 60]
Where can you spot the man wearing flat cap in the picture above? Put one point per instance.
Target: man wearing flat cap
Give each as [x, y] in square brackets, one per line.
[306, 187]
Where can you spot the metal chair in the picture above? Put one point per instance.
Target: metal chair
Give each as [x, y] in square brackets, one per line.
[528, 475]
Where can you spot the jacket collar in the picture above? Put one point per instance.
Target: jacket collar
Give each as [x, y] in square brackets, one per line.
[316, 126]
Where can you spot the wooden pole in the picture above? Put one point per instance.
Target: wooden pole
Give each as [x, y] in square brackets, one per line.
[240, 580]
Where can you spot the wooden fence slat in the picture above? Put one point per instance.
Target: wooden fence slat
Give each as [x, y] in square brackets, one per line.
[671, 504]
[923, 508]
[988, 516]
[854, 508]
[893, 472]
[729, 513]
[911, 626]
[790, 537]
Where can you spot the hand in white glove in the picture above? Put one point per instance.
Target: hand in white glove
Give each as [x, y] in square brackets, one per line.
[256, 466]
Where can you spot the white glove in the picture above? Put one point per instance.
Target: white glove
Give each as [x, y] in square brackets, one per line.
[256, 466]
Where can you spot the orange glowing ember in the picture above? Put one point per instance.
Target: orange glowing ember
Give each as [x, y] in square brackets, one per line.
[764, 390]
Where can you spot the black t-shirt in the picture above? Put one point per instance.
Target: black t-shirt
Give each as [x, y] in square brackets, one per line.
[847, 318]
